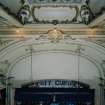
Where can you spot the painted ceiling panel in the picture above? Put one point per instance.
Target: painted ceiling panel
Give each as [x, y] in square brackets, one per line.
[28, 12]
[14, 5]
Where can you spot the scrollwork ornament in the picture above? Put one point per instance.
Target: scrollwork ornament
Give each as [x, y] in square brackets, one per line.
[56, 21]
[86, 13]
[24, 13]
[77, 13]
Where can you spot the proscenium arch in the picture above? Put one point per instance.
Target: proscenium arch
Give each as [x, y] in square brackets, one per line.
[18, 59]
[20, 43]
[28, 42]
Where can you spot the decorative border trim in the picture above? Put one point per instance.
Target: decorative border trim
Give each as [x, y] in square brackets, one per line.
[55, 22]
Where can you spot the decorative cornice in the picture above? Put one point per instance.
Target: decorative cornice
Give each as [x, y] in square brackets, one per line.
[43, 30]
[9, 36]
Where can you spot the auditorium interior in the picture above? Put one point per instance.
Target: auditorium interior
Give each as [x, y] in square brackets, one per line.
[52, 52]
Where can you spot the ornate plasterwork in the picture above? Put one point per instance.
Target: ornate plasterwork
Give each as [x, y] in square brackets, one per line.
[50, 35]
[39, 40]
[42, 42]
[27, 12]
[5, 41]
[73, 14]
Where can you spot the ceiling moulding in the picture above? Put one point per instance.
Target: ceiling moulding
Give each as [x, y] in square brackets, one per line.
[44, 26]
[37, 31]
[8, 19]
[99, 21]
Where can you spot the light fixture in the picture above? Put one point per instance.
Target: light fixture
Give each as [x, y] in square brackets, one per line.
[17, 31]
[92, 32]
[55, 35]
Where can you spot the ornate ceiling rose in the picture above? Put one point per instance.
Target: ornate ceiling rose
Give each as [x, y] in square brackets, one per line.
[55, 35]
